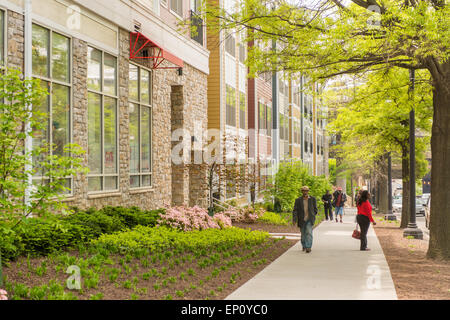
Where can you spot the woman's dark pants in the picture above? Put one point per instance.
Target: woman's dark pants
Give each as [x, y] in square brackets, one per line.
[364, 224]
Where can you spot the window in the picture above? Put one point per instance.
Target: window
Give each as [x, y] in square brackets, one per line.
[318, 146]
[140, 127]
[242, 46]
[262, 118]
[2, 38]
[242, 110]
[177, 7]
[306, 143]
[281, 126]
[51, 64]
[230, 106]
[230, 44]
[102, 121]
[269, 120]
[195, 5]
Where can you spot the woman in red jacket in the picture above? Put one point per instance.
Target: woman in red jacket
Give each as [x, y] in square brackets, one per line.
[364, 217]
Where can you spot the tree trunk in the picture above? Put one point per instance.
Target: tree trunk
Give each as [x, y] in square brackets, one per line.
[406, 191]
[439, 245]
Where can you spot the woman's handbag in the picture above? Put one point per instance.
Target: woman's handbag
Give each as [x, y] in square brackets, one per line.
[356, 233]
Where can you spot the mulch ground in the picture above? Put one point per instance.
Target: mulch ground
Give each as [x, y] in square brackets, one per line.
[415, 276]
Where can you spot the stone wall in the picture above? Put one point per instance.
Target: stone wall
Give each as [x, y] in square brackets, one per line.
[16, 40]
[192, 87]
[191, 107]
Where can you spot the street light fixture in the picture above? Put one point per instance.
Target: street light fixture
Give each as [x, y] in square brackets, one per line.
[412, 230]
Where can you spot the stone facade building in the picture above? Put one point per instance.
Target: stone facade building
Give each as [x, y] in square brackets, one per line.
[115, 101]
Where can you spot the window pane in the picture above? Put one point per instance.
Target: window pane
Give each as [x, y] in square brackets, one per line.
[68, 185]
[60, 118]
[134, 138]
[146, 181]
[40, 47]
[133, 83]
[177, 6]
[2, 39]
[110, 132]
[41, 136]
[94, 69]
[95, 184]
[110, 183]
[134, 181]
[242, 109]
[94, 134]
[145, 86]
[146, 142]
[60, 57]
[110, 75]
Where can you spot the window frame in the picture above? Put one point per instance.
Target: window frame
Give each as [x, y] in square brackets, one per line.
[229, 42]
[140, 104]
[230, 98]
[4, 32]
[268, 120]
[243, 110]
[173, 11]
[102, 95]
[50, 82]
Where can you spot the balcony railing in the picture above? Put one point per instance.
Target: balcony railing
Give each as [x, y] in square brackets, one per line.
[197, 21]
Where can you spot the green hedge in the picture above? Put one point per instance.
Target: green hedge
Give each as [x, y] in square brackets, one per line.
[273, 218]
[41, 236]
[161, 239]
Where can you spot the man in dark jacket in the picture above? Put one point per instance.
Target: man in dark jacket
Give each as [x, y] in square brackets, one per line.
[304, 214]
[326, 199]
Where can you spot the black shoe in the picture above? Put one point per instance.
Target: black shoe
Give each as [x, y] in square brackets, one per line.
[304, 249]
[366, 249]
[308, 250]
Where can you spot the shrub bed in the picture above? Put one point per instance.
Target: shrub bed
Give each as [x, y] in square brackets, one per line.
[162, 239]
[273, 218]
[41, 236]
[207, 264]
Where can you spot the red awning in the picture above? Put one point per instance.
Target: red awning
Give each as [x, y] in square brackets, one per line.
[143, 48]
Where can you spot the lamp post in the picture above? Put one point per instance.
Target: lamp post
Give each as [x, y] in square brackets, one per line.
[390, 215]
[412, 230]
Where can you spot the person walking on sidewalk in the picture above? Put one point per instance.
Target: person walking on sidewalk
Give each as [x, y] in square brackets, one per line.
[338, 202]
[304, 214]
[358, 194]
[326, 199]
[364, 217]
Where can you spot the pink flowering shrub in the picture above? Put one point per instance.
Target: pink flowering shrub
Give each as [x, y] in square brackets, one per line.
[246, 215]
[3, 295]
[195, 218]
[222, 220]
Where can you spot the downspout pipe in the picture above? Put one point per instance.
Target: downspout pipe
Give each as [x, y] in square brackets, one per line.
[28, 76]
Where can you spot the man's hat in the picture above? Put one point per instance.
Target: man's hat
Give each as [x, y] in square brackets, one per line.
[305, 188]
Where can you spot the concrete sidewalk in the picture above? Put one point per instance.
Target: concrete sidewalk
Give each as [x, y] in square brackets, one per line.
[335, 269]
